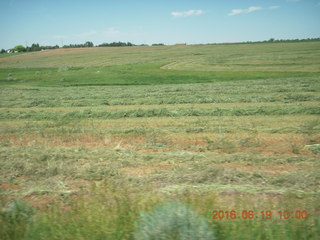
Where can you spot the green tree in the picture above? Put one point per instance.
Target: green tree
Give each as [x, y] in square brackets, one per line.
[3, 51]
[158, 44]
[88, 44]
[19, 48]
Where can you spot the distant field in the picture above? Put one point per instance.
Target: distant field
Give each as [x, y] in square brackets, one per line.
[296, 57]
[162, 65]
[92, 137]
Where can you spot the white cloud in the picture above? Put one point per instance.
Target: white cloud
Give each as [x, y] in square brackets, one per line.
[187, 13]
[248, 10]
[236, 11]
[253, 9]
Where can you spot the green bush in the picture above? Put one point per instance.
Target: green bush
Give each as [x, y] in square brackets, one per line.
[17, 211]
[174, 221]
[15, 218]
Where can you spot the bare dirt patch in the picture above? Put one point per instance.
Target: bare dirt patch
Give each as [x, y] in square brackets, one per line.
[9, 186]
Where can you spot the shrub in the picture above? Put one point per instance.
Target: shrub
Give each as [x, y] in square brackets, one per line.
[10, 77]
[173, 220]
[17, 211]
[15, 217]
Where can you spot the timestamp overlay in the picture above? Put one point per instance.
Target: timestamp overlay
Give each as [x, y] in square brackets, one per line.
[260, 214]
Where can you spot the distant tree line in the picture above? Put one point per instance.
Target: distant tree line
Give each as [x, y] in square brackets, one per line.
[293, 40]
[86, 44]
[158, 44]
[33, 48]
[272, 40]
[116, 44]
[36, 47]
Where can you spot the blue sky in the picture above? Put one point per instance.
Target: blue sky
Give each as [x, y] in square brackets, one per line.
[51, 22]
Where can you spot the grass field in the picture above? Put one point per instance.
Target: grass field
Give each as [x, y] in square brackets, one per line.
[93, 140]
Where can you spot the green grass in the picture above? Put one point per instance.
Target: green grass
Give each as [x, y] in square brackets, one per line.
[136, 74]
[111, 210]
[161, 112]
[6, 55]
[95, 139]
[40, 164]
[283, 90]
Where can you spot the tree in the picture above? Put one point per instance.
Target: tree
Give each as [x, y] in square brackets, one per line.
[158, 44]
[116, 44]
[3, 51]
[88, 44]
[19, 48]
[35, 47]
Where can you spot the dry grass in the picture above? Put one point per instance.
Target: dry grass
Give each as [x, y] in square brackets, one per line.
[267, 135]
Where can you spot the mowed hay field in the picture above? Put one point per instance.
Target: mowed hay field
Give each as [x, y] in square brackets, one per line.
[95, 139]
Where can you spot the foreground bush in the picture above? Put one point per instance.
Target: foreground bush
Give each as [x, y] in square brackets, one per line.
[15, 217]
[173, 221]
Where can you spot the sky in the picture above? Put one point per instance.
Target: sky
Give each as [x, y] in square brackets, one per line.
[61, 22]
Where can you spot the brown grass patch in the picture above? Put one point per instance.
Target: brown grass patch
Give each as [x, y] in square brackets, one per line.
[41, 54]
[145, 169]
[267, 170]
[39, 202]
